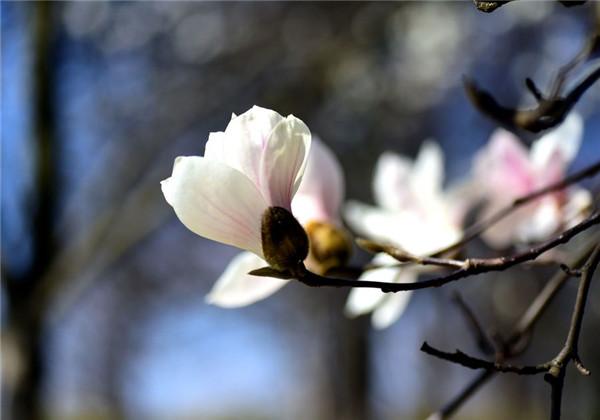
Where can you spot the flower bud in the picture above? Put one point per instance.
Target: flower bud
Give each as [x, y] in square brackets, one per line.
[284, 241]
[330, 246]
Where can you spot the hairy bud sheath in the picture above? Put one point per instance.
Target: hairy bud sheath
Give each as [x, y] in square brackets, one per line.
[284, 241]
[330, 246]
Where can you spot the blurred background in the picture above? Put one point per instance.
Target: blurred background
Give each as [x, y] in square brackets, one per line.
[103, 313]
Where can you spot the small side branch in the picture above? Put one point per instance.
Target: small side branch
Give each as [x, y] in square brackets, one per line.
[471, 362]
[471, 266]
[555, 369]
[487, 6]
[570, 351]
[517, 341]
[478, 228]
[551, 109]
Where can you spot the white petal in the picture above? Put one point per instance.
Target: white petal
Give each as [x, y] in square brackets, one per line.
[237, 288]
[215, 148]
[544, 221]
[503, 233]
[559, 146]
[361, 301]
[578, 202]
[283, 161]
[216, 202]
[242, 144]
[418, 233]
[391, 310]
[374, 222]
[461, 196]
[321, 191]
[391, 183]
[428, 170]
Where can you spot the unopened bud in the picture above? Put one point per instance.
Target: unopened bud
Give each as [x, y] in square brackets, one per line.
[330, 246]
[284, 241]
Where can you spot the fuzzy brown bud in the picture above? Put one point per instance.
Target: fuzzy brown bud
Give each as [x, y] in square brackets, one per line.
[284, 241]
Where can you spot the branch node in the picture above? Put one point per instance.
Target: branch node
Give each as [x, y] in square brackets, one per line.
[534, 90]
[573, 272]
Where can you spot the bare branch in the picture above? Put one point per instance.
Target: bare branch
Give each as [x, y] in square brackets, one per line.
[472, 266]
[552, 109]
[513, 345]
[471, 362]
[485, 344]
[570, 352]
[489, 6]
[478, 228]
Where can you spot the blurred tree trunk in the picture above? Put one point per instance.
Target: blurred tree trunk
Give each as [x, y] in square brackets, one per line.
[26, 305]
[352, 381]
[347, 360]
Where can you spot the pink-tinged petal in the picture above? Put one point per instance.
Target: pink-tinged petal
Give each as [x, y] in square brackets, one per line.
[395, 304]
[216, 202]
[391, 183]
[362, 301]
[283, 161]
[428, 170]
[236, 288]
[322, 188]
[503, 168]
[552, 153]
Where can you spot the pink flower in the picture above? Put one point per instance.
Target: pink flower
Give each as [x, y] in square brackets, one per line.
[505, 170]
[414, 214]
[316, 202]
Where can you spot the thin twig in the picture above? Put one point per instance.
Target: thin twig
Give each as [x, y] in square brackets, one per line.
[512, 345]
[488, 6]
[472, 266]
[555, 369]
[483, 341]
[552, 109]
[471, 362]
[478, 228]
[570, 351]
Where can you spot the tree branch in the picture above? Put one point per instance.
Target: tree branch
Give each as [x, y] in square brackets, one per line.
[471, 266]
[513, 346]
[551, 110]
[555, 369]
[480, 227]
[471, 362]
[570, 352]
[487, 6]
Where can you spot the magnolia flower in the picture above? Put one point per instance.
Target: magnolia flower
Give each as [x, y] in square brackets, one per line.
[413, 214]
[505, 170]
[240, 192]
[316, 205]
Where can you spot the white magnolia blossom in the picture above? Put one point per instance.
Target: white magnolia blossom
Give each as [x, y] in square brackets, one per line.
[413, 213]
[256, 163]
[318, 199]
[505, 170]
